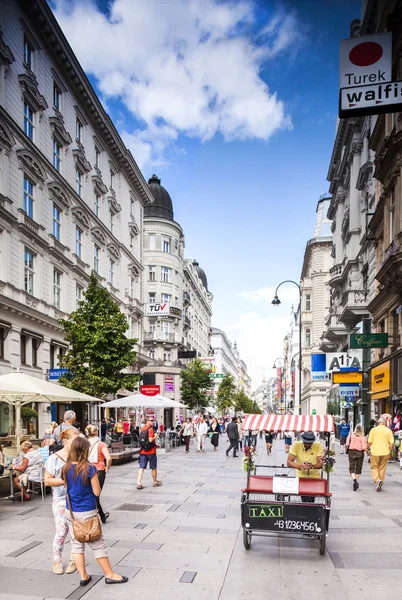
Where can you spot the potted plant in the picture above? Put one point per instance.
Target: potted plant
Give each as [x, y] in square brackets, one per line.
[27, 415]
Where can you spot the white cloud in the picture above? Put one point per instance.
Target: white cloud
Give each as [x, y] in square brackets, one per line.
[286, 294]
[191, 66]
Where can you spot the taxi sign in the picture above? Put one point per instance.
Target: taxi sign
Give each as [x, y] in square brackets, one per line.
[347, 377]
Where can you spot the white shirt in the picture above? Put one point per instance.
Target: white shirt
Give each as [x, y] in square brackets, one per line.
[202, 428]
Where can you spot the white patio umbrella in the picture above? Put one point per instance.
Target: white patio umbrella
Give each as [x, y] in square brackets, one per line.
[142, 401]
[19, 389]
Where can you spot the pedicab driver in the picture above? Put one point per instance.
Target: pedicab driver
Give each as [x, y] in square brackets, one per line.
[306, 457]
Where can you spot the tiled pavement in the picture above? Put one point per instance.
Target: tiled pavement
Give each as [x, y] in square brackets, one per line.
[186, 541]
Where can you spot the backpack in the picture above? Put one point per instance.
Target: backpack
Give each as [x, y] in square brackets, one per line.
[143, 440]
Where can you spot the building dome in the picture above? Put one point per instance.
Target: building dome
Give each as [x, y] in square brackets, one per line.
[201, 274]
[162, 207]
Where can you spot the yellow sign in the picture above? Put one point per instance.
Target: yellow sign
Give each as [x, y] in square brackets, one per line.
[347, 377]
[379, 379]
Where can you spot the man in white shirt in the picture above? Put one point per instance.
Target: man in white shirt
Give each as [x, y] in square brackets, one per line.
[201, 429]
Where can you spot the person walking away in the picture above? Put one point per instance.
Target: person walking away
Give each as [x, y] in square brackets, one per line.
[53, 468]
[306, 457]
[201, 430]
[288, 441]
[239, 427]
[69, 420]
[233, 434]
[214, 432]
[147, 440]
[380, 444]
[30, 467]
[103, 430]
[82, 488]
[255, 437]
[126, 427]
[188, 431]
[372, 424]
[268, 441]
[99, 456]
[356, 444]
[344, 431]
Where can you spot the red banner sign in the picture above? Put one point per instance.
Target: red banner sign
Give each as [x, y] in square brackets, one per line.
[150, 390]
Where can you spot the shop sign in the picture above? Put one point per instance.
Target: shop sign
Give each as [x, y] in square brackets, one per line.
[150, 390]
[56, 373]
[186, 354]
[349, 391]
[347, 377]
[216, 375]
[169, 383]
[368, 340]
[380, 378]
[320, 376]
[157, 310]
[336, 361]
[365, 59]
[371, 99]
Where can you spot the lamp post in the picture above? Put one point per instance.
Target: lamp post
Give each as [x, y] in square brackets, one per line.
[284, 370]
[276, 302]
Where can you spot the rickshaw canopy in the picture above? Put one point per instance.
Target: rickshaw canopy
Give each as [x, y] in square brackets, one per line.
[321, 423]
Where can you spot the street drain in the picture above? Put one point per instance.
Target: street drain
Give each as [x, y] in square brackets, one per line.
[135, 507]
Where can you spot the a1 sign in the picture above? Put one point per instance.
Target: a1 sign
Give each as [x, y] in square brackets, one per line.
[337, 361]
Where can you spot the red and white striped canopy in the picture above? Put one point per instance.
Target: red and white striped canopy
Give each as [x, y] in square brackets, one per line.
[324, 423]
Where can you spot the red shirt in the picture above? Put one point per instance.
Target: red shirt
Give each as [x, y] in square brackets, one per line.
[151, 434]
[126, 427]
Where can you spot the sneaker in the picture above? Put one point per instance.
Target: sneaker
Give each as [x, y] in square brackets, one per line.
[380, 484]
[355, 485]
[71, 568]
[58, 568]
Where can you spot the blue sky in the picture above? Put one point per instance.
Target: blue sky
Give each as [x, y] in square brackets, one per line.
[245, 164]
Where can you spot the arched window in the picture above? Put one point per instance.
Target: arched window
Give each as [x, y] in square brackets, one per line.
[308, 338]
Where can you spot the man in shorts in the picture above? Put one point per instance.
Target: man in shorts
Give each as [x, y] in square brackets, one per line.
[148, 456]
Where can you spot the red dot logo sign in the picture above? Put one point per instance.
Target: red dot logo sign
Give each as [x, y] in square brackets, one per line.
[365, 54]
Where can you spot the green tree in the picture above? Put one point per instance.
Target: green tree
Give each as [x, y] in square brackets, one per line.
[242, 402]
[98, 346]
[256, 410]
[195, 382]
[225, 395]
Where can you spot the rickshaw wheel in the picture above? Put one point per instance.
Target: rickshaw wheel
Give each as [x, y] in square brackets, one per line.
[323, 541]
[246, 539]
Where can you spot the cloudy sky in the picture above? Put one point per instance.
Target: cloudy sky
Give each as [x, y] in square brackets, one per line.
[233, 105]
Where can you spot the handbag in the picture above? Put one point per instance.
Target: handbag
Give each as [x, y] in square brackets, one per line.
[85, 531]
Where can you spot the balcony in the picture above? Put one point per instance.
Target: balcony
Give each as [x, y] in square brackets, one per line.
[390, 272]
[336, 275]
[186, 298]
[162, 336]
[187, 323]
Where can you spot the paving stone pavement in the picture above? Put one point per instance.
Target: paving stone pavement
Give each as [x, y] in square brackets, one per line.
[186, 541]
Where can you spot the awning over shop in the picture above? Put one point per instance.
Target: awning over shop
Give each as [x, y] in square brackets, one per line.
[324, 423]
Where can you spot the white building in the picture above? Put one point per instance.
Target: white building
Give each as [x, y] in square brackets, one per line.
[197, 309]
[226, 359]
[71, 196]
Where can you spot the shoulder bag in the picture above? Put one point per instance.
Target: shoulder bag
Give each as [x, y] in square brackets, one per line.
[85, 531]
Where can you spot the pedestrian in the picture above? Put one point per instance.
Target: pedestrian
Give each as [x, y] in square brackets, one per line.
[147, 440]
[53, 468]
[233, 434]
[214, 432]
[103, 430]
[255, 437]
[201, 429]
[344, 430]
[380, 443]
[372, 424]
[69, 420]
[99, 456]
[306, 457]
[288, 441]
[356, 446]
[119, 428]
[239, 427]
[126, 426]
[268, 441]
[188, 432]
[82, 488]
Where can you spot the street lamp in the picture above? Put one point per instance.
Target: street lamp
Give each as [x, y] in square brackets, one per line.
[276, 302]
[284, 370]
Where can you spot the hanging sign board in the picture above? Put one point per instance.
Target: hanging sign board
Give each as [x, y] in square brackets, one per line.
[347, 377]
[368, 340]
[150, 390]
[336, 361]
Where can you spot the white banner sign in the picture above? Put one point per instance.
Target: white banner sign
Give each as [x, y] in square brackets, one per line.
[336, 361]
[349, 391]
[285, 485]
[157, 310]
[371, 96]
[365, 60]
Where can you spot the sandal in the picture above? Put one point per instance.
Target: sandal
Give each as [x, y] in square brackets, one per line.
[157, 483]
[140, 487]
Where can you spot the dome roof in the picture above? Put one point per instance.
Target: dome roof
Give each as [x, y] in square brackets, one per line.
[201, 274]
[162, 207]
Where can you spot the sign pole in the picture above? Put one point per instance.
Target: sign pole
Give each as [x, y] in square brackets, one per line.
[366, 408]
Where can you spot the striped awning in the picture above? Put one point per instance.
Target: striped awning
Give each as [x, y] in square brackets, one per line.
[324, 423]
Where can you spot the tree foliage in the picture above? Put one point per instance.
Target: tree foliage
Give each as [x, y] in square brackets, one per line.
[225, 395]
[244, 405]
[195, 382]
[98, 346]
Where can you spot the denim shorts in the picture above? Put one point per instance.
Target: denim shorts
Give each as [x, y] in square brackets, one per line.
[148, 458]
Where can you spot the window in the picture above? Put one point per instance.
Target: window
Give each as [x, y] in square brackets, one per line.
[28, 197]
[35, 343]
[152, 298]
[152, 354]
[111, 221]
[28, 121]
[308, 338]
[78, 130]
[78, 182]
[28, 53]
[56, 288]
[96, 204]
[165, 274]
[56, 156]
[131, 241]
[78, 295]
[308, 302]
[165, 298]
[111, 271]
[56, 96]
[166, 244]
[176, 244]
[29, 273]
[131, 206]
[78, 242]
[165, 326]
[152, 327]
[2, 342]
[152, 237]
[23, 349]
[111, 178]
[97, 156]
[56, 222]
[391, 215]
[96, 258]
[152, 274]
[132, 287]
[167, 356]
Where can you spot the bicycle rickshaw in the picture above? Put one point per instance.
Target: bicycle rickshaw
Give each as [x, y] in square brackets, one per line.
[280, 504]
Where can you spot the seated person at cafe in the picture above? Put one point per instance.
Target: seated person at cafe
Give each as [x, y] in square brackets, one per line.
[30, 467]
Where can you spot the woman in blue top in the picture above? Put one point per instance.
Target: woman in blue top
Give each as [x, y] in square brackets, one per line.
[83, 488]
[344, 430]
